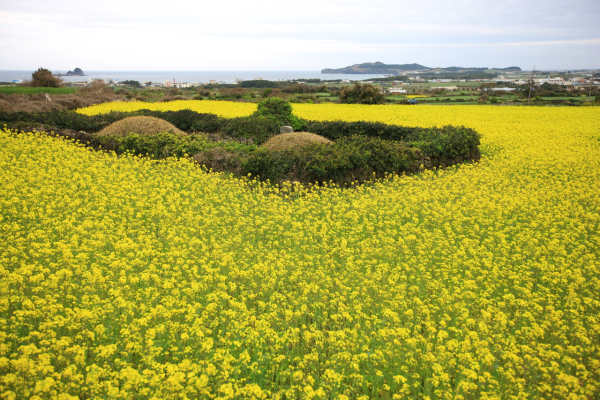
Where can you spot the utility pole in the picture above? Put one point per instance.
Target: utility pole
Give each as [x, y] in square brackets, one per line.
[530, 85]
[591, 85]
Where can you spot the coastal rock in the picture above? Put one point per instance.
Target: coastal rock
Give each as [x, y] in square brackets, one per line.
[76, 71]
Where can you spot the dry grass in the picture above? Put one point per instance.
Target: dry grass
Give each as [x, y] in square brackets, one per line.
[294, 140]
[38, 102]
[140, 125]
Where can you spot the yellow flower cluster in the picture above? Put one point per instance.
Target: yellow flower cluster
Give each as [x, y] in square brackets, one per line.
[415, 96]
[228, 109]
[126, 278]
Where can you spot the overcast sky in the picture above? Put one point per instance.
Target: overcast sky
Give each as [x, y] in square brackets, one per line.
[309, 35]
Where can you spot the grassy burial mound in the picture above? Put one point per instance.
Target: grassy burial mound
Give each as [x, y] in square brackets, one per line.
[139, 125]
[294, 140]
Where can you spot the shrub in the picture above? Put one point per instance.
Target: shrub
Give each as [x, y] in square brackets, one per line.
[186, 120]
[219, 159]
[293, 140]
[256, 128]
[353, 159]
[361, 94]
[156, 145]
[448, 141]
[335, 130]
[44, 78]
[279, 111]
[140, 125]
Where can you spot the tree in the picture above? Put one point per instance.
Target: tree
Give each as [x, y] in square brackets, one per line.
[131, 83]
[266, 93]
[361, 94]
[44, 78]
[279, 111]
[488, 87]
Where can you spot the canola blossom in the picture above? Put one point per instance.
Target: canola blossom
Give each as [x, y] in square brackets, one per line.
[126, 278]
[228, 109]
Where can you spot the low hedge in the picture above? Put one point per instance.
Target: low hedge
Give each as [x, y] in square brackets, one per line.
[352, 159]
[434, 142]
[359, 149]
[448, 141]
[165, 144]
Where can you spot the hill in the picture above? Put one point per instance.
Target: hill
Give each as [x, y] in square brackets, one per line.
[397, 69]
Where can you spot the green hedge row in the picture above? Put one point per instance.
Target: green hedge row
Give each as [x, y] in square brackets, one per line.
[351, 159]
[447, 141]
[164, 145]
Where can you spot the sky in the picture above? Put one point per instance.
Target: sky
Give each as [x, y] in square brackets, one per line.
[309, 35]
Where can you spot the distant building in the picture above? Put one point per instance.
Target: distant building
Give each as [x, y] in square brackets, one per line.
[447, 88]
[397, 91]
[212, 82]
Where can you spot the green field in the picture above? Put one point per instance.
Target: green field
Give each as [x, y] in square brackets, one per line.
[565, 98]
[35, 90]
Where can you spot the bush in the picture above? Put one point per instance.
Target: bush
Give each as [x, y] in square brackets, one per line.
[279, 111]
[255, 128]
[335, 130]
[44, 78]
[354, 159]
[187, 120]
[448, 141]
[157, 145]
[361, 94]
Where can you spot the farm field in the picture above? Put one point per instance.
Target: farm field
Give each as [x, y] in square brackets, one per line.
[35, 90]
[228, 109]
[565, 98]
[126, 278]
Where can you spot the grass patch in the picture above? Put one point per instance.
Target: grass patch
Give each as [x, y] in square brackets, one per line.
[36, 90]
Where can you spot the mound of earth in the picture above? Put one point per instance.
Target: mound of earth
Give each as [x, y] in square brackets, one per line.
[139, 125]
[294, 140]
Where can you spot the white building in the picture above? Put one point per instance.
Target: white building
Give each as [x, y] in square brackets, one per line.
[397, 91]
[447, 88]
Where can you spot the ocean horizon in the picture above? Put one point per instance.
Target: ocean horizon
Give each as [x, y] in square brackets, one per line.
[189, 76]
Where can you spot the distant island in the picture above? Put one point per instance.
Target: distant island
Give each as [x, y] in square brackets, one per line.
[75, 72]
[398, 69]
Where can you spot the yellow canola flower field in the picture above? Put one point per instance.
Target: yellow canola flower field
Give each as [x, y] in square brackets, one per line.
[126, 278]
[228, 109]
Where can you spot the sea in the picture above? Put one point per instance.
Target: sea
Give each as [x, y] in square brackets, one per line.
[190, 76]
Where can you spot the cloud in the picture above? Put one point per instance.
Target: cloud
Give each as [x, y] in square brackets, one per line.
[267, 34]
